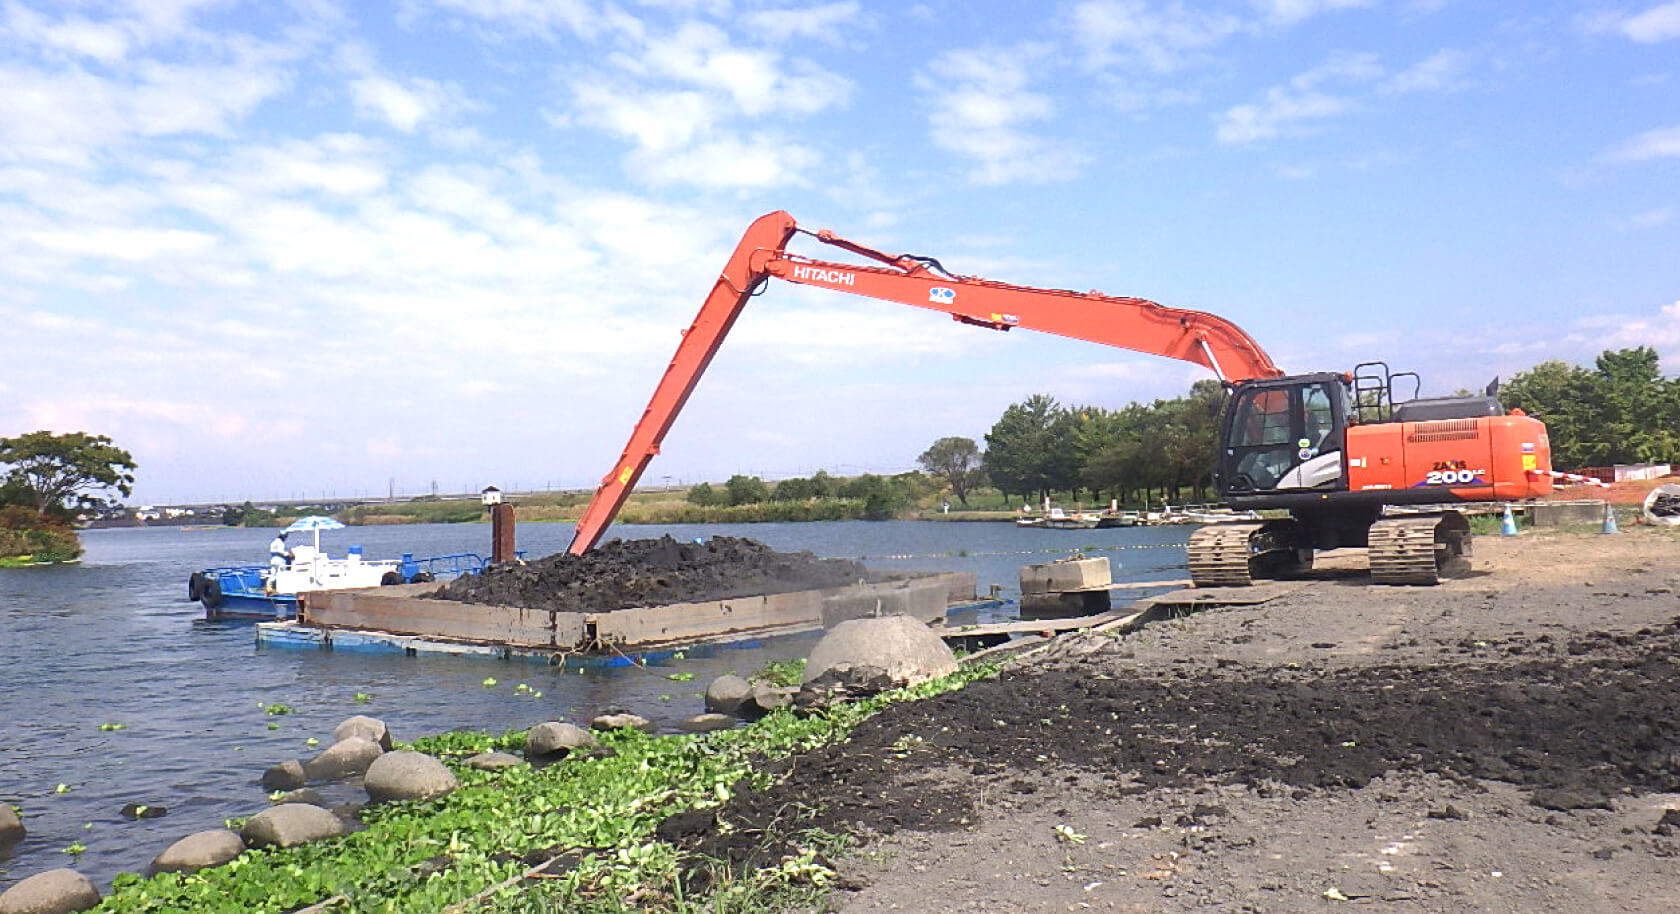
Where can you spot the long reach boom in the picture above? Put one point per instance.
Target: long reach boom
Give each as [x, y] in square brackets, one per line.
[1127, 323]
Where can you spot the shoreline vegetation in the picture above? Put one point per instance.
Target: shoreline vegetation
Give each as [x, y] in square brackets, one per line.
[589, 822]
[28, 537]
[907, 496]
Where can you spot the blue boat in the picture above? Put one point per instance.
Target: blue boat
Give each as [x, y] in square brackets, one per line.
[269, 595]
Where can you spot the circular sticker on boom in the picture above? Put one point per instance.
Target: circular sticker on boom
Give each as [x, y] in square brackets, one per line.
[1304, 443]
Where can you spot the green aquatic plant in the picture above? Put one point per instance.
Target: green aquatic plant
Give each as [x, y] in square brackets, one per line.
[76, 848]
[598, 811]
[62, 788]
[363, 698]
[680, 677]
[108, 728]
[276, 709]
[489, 682]
[782, 672]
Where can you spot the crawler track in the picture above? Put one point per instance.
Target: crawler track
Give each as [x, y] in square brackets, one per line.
[1221, 555]
[1419, 549]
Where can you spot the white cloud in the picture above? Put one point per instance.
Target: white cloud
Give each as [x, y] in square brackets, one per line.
[656, 121]
[1659, 23]
[1660, 331]
[130, 244]
[1443, 71]
[1279, 109]
[982, 106]
[70, 115]
[678, 97]
[824, 22]
[1652, 144]
[757, 82]
[1114, 31]
[1332, 89]
[106, 42]
[540, 16]
[1648, 219]
[725, 161]
[403, 105]
[1289, 12]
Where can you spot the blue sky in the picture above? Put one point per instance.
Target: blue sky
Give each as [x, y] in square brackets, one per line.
[309, 248]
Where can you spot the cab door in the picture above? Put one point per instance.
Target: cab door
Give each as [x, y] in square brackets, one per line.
[1284, 437]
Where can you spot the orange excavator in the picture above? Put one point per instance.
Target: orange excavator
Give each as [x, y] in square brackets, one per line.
[1351, 463]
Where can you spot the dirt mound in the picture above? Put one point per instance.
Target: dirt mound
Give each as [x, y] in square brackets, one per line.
[1574, 723]
[628, 573]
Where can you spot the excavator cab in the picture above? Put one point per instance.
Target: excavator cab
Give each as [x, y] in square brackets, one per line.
[1285, 435]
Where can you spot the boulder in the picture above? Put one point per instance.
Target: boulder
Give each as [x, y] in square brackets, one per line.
[728, 694]
[494, 761]
[408, 775]
[622, 720]
[53, 892]
[11, 826]
[307, 795]
[870, 654]
[346, 758]
[554, 738]
[705, 723]
[197, 851]
[289, 825]
[366, 727]
[285, 776]
[767, 697]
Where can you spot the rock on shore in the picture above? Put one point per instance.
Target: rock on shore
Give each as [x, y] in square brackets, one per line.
[200, 850]
[289, 825]
[53, 892]
[11, 826]
[408, 775]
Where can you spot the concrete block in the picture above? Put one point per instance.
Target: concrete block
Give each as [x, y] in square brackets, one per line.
[1064, 605]
[1066, 576]
[923, 600]
[1566, 514]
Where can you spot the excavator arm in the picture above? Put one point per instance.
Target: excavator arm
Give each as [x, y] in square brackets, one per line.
[1127, 323]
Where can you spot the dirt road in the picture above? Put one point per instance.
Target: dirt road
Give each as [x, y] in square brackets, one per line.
[1504, 742]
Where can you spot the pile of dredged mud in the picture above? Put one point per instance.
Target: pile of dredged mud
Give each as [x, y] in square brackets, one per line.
[623, 574]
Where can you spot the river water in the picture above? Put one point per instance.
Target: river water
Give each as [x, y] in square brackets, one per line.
[112, 640]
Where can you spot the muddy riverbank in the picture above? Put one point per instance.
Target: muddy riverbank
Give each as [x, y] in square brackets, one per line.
[1505, 742]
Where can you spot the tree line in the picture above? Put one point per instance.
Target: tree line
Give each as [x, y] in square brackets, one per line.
[868, 496]
[1622, 410]
[1140, 453]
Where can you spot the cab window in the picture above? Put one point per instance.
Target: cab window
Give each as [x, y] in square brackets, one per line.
[1321, 417]
[1264, 419]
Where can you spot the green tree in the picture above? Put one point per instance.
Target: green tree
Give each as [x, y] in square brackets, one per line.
[1019, 449]
[956, 461]
[61, 474]
[881, 499]
[746, 490]
[705, 496]
[796, 489]
[1624, 411]
[824, 485]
